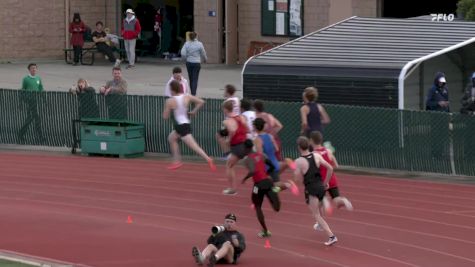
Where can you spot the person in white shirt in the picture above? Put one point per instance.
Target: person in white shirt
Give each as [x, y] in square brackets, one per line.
[178, 103]
[250, 115]
[177, 76]
[229, 91]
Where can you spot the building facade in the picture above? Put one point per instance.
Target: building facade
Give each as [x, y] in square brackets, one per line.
[231, 30]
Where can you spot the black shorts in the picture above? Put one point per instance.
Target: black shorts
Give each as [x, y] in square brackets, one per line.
[239, 150]
[264, 189]
[183, 129]
[334, 192]
[314, 189]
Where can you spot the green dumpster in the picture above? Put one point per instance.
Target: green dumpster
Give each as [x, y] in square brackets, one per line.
[112, 137]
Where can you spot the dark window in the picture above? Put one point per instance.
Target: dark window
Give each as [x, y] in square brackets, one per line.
[282, 17]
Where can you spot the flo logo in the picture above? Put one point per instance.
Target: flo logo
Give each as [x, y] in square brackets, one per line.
[442, 17]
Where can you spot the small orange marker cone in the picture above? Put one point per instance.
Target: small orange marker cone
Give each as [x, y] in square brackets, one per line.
[267, 245]
[129, 219]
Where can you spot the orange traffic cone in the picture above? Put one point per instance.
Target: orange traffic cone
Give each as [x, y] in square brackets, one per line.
[129, 219]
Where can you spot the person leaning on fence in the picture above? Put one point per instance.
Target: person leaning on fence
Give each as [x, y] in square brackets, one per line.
[77, 29]
[177, 76]
[99, 36]
[468, 99]
[226, 246]
[193, 51]
[313, 116]
[87, 99]
[115, 91]
[31, 85]
[438, 95]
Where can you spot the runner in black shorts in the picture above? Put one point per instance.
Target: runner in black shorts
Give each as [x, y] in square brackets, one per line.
[256, 164]
[307, 170]
[178, 103]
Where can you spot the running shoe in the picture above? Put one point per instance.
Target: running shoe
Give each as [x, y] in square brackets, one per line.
[294, 188]
[229, 192]
[347, 204]
[211, 165]
[317, 227]
[263, 234]
[212, 261]
[175, 165]
[198, 256]
[290, 163]
[332, 240]
[276, 189]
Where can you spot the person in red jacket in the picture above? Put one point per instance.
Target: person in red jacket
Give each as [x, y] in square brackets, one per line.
[77, 29]
[130, 32]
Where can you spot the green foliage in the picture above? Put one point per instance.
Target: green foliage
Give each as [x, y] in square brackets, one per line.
[466, 9]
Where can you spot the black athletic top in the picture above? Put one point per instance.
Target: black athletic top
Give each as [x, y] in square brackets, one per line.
[312, 175]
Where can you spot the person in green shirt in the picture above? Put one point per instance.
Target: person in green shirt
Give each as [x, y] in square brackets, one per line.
[30, 85]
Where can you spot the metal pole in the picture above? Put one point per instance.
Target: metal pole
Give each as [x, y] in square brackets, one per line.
[66, 23]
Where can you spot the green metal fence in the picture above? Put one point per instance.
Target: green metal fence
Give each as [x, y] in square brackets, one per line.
[364, 137]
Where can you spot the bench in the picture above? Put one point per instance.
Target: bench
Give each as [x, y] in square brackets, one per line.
[86, 52]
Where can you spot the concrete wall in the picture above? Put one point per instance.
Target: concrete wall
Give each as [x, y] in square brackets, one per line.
[36, 29]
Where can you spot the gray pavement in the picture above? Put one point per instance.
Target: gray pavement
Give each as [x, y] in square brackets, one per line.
[149, 77]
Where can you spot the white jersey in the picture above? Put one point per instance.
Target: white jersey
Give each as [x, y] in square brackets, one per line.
[180, 113]
[250, 116]
[236, 104]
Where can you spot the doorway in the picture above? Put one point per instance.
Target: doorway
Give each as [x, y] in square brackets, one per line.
[175, 18]
[229, 33]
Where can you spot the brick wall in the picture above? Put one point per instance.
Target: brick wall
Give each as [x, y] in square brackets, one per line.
[207, 27]
[365, 8]
[39, 31]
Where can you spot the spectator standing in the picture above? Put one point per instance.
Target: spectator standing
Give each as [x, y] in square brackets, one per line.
[115, 92]
[87, 99]
[31, 85]
[193, 51]
[99, 36]
[130, 32]
[77, 29]
[468, 100]
[177, 76]
[438, 96]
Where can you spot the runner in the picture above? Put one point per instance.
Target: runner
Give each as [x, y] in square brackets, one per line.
[179, 103]
[232, 138]
[266, 145]
[257, 163]
[308, 172]
[272, 126]
[313, 116]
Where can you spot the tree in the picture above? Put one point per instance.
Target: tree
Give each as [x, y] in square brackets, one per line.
[466, 9]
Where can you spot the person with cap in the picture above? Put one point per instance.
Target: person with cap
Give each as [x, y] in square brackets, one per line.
[438, 96]
[468, 99]
[223, 247]
[130, 32]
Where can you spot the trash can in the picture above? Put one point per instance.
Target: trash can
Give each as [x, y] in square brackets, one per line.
[112, 137]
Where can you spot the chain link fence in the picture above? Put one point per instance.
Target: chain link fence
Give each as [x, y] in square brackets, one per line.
[363, 137]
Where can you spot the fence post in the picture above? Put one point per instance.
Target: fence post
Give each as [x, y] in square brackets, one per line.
[451, 144]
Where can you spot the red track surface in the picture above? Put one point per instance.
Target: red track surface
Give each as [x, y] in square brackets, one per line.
[74, 209]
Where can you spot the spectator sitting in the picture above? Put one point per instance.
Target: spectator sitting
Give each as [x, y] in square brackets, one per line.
[225, 246]
[468, 100]
[100, 39]
[87, 99]
[177, 76]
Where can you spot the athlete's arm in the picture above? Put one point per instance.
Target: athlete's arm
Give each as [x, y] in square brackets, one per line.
[198, 103]
[250, 165]
[319, 160]
[258, 145]
[303, 118]
[300, 169]
[167, 109]
[325, 118]
[333, 159]
[276, 124]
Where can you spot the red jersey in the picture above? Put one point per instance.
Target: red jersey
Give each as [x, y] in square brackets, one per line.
[323, 171]
[241, 132]
[259, 167]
